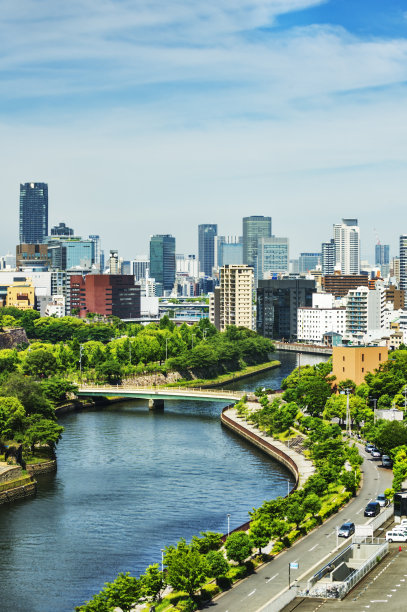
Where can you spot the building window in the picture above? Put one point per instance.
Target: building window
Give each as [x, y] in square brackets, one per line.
[343, 369]
[343, 358]
[380, 356]
[363, 369]
[363, 356]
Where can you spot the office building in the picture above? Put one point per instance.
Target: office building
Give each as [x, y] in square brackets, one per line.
[187, 264]
[309, 261]
[228, 250]
[278, 301]
[403, 263]
[254, 228]
[7, 262]
[32, 255]
[236, 296]
[347, 246]
[162, 261]
[33, 213]
[140, 266]
[114, 263]
[21, 295]
[98, 259]
[272, 257]
[395, 296]
[70, 252]
[382, 254]
[62, 230]
[206, 247]
[340, 284]
[105, 294]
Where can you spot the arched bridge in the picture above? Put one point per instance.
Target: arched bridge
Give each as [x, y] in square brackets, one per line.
[157, 395]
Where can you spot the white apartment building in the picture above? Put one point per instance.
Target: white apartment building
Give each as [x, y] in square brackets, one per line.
[364, 311]
[347, 246]
[236, 296]
[324, 316]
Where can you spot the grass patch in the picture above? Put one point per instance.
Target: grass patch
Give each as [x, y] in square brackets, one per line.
[224, 378]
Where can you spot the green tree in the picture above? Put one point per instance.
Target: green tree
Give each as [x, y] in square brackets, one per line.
[152, 582]
[110, 371]
[124, 592]
[29, 393]
[187, 569]
[56, 389]
[399, 455]
[312, 504]
[260, 534]
[42, 431]
[209, 540]
[40, 364]
[279, 528]
[238, 546]
[217, 564]
[389, 434]
[295, 512]
[12, 416]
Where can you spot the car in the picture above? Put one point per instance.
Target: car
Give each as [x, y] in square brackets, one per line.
[346, 530]
[382, 500]
[376, 454]
[396, 536]
[372, 509]
[369, 447]
[386, 461]
[403, 523]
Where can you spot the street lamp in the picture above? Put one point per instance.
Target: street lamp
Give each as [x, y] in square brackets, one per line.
[166, 349]
[162, 559]
[192, 339]
[130, 351]
[228, 515]
[348, 426]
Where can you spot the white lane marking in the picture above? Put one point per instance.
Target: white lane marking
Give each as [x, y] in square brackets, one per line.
[394, 590]
[378, 601]
[359, 511]
[252, 593]
[272, 578]
[313, 548]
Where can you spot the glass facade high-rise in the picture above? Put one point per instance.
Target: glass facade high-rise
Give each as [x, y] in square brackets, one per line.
[272, 256]
[33, 219]
[382, 254]
[206, 247]
[403, 264]
[162, 260]
[347, 246]
[328, 257]
[309, 261]
[254, 227]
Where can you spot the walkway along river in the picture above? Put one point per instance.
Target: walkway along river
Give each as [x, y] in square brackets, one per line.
[130, 482]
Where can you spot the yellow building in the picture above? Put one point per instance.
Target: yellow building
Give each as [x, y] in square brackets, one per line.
[236, 296]
[355, 362]
[21, 295]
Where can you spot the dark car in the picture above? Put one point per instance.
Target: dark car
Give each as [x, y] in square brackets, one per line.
[346, 530]
[372, 509]
[386, 461]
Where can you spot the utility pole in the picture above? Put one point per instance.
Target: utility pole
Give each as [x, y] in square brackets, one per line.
[348, 420]
[80, 360]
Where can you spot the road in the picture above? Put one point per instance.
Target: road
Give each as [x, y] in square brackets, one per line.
[272, 578]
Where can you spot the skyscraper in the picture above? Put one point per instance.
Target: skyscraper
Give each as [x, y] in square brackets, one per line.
[403, 263]
[254, 227]
[347, 246]
[61, 230]
[162, 260]
[206, 247]
[309, 261]
[272, 256]
[33, 213]
[382, 254]
[328, 257]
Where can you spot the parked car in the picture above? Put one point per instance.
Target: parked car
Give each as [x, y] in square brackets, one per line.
[403, 523]
[369, 447]
[346, 530]
[382, 500]
[386, 461]
[376, 454]
[372, 509]
[396, 536]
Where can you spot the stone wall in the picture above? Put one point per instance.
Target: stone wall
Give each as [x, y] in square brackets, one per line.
[155, 378]
[42, 468]
[11, 337]
[18, 493]
[11, 472]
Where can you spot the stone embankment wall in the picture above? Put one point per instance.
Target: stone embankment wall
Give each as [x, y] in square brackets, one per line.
[155, 378]
[18, 493]
[42, 468]
[9, 472]
[300, 467]
[11, 337]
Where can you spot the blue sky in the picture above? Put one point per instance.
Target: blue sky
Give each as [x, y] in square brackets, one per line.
[151, 117]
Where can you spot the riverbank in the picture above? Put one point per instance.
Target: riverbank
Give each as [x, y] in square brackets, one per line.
[228, 378]
[14, 484]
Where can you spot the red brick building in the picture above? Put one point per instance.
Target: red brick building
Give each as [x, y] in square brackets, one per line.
[105, 294]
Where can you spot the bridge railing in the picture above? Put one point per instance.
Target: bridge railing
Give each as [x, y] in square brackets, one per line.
[185, 390]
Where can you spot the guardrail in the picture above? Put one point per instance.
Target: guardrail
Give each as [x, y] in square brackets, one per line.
[185, 390]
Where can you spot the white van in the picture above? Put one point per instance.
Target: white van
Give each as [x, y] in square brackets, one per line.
[396, 536]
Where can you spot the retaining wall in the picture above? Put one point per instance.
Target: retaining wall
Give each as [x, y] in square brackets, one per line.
[18, 493]
[42, 468]
[10, 473]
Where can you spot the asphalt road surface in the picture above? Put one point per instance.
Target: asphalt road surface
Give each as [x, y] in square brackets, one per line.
[272, 578]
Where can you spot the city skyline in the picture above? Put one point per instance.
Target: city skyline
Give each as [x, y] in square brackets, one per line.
[160, 118]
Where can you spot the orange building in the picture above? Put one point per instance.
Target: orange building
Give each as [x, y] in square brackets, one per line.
[355, 362]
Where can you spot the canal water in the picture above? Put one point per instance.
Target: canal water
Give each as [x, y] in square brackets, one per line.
[130, 482]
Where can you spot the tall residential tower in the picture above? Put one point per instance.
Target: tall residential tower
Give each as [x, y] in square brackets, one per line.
[33, 213]
[206, 247]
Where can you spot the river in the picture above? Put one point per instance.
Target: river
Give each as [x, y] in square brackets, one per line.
[130, 482]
